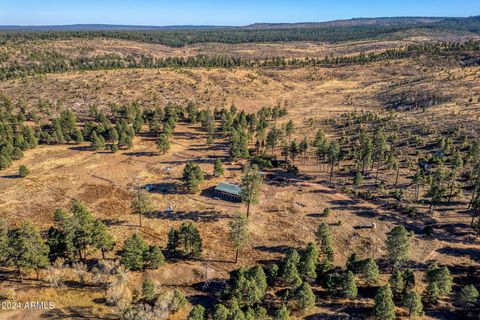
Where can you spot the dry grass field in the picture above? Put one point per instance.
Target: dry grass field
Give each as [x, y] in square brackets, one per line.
[287, 215]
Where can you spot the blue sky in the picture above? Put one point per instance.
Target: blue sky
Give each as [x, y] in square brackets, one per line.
[216, 12]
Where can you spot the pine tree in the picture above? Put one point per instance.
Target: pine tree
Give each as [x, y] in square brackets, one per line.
[239, 144]
[370, 271]
[432, 293]
[290, 273]
[218, 168]
[289, 128]
[197, 313]
[333, 155]
[23, 171]
[84, 228]
[4, 162]
[350, 286]
[248, 286]
[303, 148]
[251, 186]
[97, 142]
[101, 239]
[192, 176]
[239, 233]
[148, 289]
[155, 257]
[141, 204]
[380, 146]
[178, 301]
[418, 179]
[437, 190]
[324, 239]
[4, 245]
[134, 252]
[409, 280]
[413, 303]
[190, 240]
[293, 150]
[220, 312]
[468, 297]
[441, 276]
[27, 249]
[398, 243]
[173, 242]
[235, 312]
[163, 143]
[272, 139]
[309, 261]
[357, 181]
[384, 308]
[303, 298]
[282, 314]
[397, 284]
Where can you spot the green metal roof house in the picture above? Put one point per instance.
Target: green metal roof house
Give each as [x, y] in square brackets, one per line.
[228, 191]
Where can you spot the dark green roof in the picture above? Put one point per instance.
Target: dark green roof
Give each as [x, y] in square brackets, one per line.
[229, 188]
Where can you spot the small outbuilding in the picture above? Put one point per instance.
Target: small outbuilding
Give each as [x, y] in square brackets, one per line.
[228, 191]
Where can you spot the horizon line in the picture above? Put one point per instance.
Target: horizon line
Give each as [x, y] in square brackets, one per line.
[240, 25]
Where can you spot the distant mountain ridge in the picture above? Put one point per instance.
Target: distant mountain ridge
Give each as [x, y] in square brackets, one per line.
[102, 27]
[381, 21]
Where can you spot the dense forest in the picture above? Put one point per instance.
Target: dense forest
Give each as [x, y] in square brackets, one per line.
[322, 33]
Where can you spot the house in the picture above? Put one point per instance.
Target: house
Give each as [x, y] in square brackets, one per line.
[228, 191]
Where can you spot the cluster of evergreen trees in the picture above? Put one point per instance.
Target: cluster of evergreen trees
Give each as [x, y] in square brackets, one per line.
[102, 131]
[137, 255]
[74, 235]
[53, 62]
[15, 135]
[184, 242]
[77, 232]
[293, 277]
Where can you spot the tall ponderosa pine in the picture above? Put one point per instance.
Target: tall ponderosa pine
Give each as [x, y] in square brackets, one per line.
[309, 262]
[141, 204]
[134, 252]
[324, 239]
[468, 297]
[289, 274]
[282, 314]
[192, 177]
[441, 277]
[102, 240]
[163, 143]
[370, 271]
[333, 156]
[220, 312]
[303, 298]
[437, 190]
[239, 234]
[197, 313]
[251, 186]
[27, 249]
[384, 308]
[218, 168]
[397, 284]
[413, 303]
[4, 245]
[398, 245]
